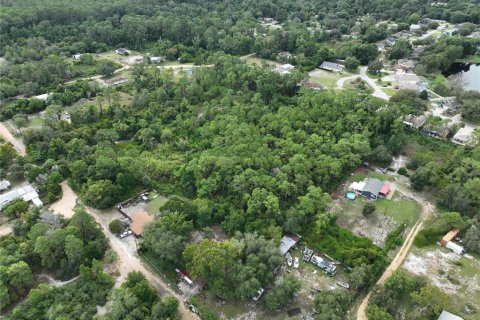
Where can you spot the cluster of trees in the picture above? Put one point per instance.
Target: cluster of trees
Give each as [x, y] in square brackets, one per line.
[442, 53]
[454, 175]
[470, 105]
[39, 243]
[239, 267]
[402, 292]
[75, 300]
[135, 299]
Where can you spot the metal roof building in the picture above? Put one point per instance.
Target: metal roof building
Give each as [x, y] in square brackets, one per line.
[372, 188]
[449, 316]
[287, 243]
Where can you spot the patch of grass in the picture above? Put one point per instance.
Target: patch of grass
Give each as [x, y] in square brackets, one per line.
[154, 205]
[470, 59]
[164, 268]
[259, 61]
[400, 208]
[389, 91]
[326, 78]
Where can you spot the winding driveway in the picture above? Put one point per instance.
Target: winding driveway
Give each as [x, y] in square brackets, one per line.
[128, 260]
[377, 91]
[427, 209]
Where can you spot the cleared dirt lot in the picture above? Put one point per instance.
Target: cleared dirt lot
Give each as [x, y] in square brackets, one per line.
[456, 275]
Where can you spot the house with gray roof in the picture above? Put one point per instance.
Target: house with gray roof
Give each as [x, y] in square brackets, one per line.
[372, 189]
[332, 66]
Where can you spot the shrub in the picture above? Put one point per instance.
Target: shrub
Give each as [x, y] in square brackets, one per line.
[115, 226]
[368, 209]
[403, 171]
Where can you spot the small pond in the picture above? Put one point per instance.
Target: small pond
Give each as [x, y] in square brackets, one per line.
[465, 75]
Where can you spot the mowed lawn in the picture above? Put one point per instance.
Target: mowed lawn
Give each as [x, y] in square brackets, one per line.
[326, 78]
[154, 205]
[400, 208]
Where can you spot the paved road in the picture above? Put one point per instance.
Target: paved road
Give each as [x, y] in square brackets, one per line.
[17, 143]
[377, 91]
[427, 209]
[129, 261]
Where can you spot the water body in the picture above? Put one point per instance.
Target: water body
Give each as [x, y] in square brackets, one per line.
[465, 75]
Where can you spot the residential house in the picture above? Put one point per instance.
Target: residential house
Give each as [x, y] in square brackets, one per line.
[76, 56]
[332, 66]
[372, 188]
[285, 68]
[27, 193]
[437, 129]
[415, 27]
[390, 41]
[464, 136]
[122, 51]
[451, 103]
[357, 187]
[415, 122]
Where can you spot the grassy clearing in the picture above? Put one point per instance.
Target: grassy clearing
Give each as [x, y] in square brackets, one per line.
[470, 59]
[259, 61]
[154, 205]
[390, 91]
[117, 97]
[326, 78]
[439, 150]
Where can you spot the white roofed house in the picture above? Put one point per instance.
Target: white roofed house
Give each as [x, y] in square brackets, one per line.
[285, 68]
[27, 193]
[464, 136]
[448, 316]
[4, 185]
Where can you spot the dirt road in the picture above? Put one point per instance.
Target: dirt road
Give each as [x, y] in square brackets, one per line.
[128, 260]
[17, 143]
[427, 209]
[5, 229]
[377, 91]
[65, 205]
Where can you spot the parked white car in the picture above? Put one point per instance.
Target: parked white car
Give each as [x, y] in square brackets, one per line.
[295, 262]
[259, 294]
[126, 234]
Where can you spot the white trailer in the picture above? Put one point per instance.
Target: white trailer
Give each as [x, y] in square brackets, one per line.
[454, 247]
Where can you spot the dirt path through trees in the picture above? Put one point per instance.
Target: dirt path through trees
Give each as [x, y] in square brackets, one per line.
[17, 143]
[128, 260]
[427, 209]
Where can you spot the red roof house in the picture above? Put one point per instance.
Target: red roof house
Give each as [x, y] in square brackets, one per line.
[385, 189]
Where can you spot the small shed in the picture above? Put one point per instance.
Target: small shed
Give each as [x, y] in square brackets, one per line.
[139, 220]
[449, 316]
[287, 243]
[449, 236]
[372, 188]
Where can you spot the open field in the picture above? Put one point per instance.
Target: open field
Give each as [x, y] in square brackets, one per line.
[456, 275]
[390, 91]
[259, 61]
[156, 203]
[117, 97]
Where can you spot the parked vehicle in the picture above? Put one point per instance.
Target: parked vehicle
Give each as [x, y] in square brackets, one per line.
[289, 260]
[296, 262]
[343, 284]
[125, 234]
[259, 294]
